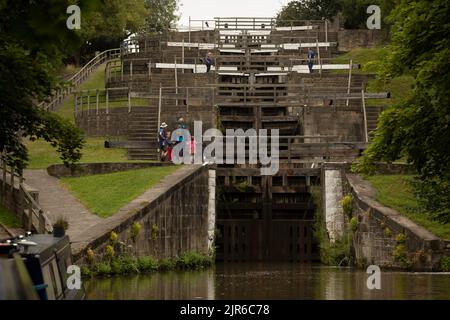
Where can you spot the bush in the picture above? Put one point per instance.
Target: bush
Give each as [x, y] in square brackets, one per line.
[354, 224]
[387, 232]
[192, 260]
[147, 264]
[445, 264]
[166, 264]
[109, 252]
[102, 269]
[347, 205]
[135, 231]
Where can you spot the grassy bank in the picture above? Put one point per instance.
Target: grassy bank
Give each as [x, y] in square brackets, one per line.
[8, 218]
[144, 265]
[95, 81]
[395, 192]
[105, 194]
[370, 59]
[42, 154]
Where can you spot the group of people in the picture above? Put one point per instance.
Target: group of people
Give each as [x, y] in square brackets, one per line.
[166, 142]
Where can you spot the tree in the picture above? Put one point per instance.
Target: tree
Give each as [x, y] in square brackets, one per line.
[307, 10]
[109, 24]
[32, 37]
[162, 15]
[419, 128]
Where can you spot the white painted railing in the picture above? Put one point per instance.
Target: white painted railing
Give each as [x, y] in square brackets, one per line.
[78, 78]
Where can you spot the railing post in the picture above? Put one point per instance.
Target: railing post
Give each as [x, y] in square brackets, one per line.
[189, 32]
[30, 216]
[129, 100]
[326, 33]
[41, 225]
[75, 106]
[97, 101]
[131, 69]
[176, 81]
[149, 69]
[318, 56]
[121, 70]
[107, 101]
[12, 179]
[363, 97]
[159, 109]
[349, 81]
[88, 101]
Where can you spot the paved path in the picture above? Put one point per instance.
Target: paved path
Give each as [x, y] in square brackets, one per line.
[56, 201]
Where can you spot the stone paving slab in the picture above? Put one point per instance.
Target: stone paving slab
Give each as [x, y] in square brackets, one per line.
[57, 201]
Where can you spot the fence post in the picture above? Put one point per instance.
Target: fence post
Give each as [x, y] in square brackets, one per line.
[12, 179]
[149, 69]
[326, 34]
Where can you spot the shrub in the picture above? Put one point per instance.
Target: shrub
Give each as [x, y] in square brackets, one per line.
[102, 269]
[445, 264]
[192, 260]
[90, 256]
[147, 264]
[113, 237]
[354, 224]
[85, 272]
[109, 252]
[387, 232]
[154, 231]
[135, 231]
[129, 265]
[347, 205]
[166, 264]
[400, 238]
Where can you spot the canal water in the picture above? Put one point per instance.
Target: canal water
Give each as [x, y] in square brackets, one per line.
[270, 281]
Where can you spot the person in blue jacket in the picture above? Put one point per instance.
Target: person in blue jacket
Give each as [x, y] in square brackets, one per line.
[311, 54]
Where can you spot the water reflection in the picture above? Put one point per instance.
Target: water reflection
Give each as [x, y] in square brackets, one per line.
[271, 281]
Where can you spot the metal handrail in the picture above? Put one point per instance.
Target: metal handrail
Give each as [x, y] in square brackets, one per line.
[78, 78]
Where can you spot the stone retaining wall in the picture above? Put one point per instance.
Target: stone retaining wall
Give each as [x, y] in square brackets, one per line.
[174, 217]
[87, 169]
[378, 239]
[361, 38]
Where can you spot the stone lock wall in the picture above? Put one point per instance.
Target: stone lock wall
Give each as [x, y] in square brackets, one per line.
[101, 124]
[176, 216]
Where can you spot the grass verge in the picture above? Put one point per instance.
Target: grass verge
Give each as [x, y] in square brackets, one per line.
[105, 194]
[400, 87]
[42, 154]
[9, 219]
[395, 192]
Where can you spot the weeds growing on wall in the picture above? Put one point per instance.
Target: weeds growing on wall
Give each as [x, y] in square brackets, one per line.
[128, 265]
[340, 252]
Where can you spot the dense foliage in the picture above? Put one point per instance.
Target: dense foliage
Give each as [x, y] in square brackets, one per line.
[32, 35]
[418, 129]
[353, 11]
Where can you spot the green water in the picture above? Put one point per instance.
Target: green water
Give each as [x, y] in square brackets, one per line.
[271, 281]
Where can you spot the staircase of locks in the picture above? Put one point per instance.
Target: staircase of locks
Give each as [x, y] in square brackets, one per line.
[260, 80]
